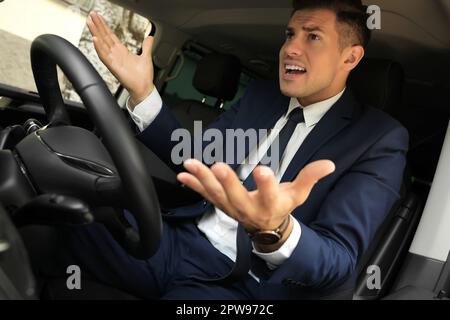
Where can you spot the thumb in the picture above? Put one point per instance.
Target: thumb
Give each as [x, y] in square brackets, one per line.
[147, 46]
[308, 177]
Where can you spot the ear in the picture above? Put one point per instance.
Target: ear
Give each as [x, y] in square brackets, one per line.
[353, 56]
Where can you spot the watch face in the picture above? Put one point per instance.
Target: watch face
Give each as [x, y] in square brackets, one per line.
[266, 237]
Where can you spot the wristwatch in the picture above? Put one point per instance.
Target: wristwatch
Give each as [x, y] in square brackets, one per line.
[269, 237]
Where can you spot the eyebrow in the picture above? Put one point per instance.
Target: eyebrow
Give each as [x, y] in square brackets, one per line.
[313, 29]
[307, 29]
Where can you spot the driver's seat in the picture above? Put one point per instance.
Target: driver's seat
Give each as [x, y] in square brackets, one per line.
[379, 83]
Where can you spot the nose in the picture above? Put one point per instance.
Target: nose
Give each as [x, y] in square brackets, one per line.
[293, 48]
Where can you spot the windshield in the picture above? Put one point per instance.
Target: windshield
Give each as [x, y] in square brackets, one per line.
[23, 20]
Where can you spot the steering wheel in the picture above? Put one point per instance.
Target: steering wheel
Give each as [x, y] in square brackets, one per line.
[72, 161]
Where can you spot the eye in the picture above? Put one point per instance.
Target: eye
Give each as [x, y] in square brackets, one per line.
[289, 34]
[313, 37]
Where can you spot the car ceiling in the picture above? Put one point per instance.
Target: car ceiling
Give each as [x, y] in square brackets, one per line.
[413, 32]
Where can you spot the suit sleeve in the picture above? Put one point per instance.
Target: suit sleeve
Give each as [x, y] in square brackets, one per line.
[158, 135]
[330, 246]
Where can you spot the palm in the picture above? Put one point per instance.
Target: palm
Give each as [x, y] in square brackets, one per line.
[130, 69]
[283, 200]
[271, 201]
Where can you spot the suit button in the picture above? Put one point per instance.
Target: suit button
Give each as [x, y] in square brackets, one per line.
[287, 282]
[205, 203]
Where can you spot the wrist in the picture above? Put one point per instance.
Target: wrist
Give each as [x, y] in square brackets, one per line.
[271, 240]
[137, 97]
[276, 246]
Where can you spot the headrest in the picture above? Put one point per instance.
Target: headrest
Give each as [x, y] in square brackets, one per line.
[218, 75]
[378, 83]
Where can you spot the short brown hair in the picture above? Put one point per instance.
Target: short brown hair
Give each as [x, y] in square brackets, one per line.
[351, 17]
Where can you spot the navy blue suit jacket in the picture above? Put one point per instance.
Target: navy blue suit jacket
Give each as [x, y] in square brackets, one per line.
[344, 210]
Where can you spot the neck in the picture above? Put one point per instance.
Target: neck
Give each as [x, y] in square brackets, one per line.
[320, 96]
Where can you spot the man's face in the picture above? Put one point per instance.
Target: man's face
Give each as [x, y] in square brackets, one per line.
[311, 59]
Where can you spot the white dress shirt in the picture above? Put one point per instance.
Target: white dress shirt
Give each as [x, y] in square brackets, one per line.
[218, 227]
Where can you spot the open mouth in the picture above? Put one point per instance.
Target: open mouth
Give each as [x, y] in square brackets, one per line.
[294, 69]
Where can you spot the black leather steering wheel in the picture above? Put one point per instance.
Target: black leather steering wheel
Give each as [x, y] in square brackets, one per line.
[49, 51]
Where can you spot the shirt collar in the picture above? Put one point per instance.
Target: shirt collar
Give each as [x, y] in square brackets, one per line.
[314, 112]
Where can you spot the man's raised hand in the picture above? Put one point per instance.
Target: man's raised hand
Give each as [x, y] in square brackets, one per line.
[134, 72]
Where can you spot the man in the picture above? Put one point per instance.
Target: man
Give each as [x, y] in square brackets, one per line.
[305, 243]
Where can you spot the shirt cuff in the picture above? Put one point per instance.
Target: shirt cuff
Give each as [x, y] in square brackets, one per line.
[146, 111]
[276, 258]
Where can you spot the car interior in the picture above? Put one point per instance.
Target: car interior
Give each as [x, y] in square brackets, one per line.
[215, 49]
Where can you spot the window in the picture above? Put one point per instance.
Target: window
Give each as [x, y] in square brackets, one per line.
[24, 20]
[84, 5]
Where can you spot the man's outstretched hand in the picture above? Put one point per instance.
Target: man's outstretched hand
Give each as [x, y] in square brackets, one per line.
[134, 72]
[263, 209]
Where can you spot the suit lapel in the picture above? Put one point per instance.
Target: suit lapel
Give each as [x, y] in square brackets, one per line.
[266, 118]
[336, 119]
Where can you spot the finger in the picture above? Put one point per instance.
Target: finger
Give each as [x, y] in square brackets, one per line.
[267, 185]
[147, 46]
[103, 23]
[108, 31]
[236, 193]
[308, 177]
[192, 182]
[95, 32]
[208, 180]
[92, 27]
[103, 28]
[96, 20]
[102, 49]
